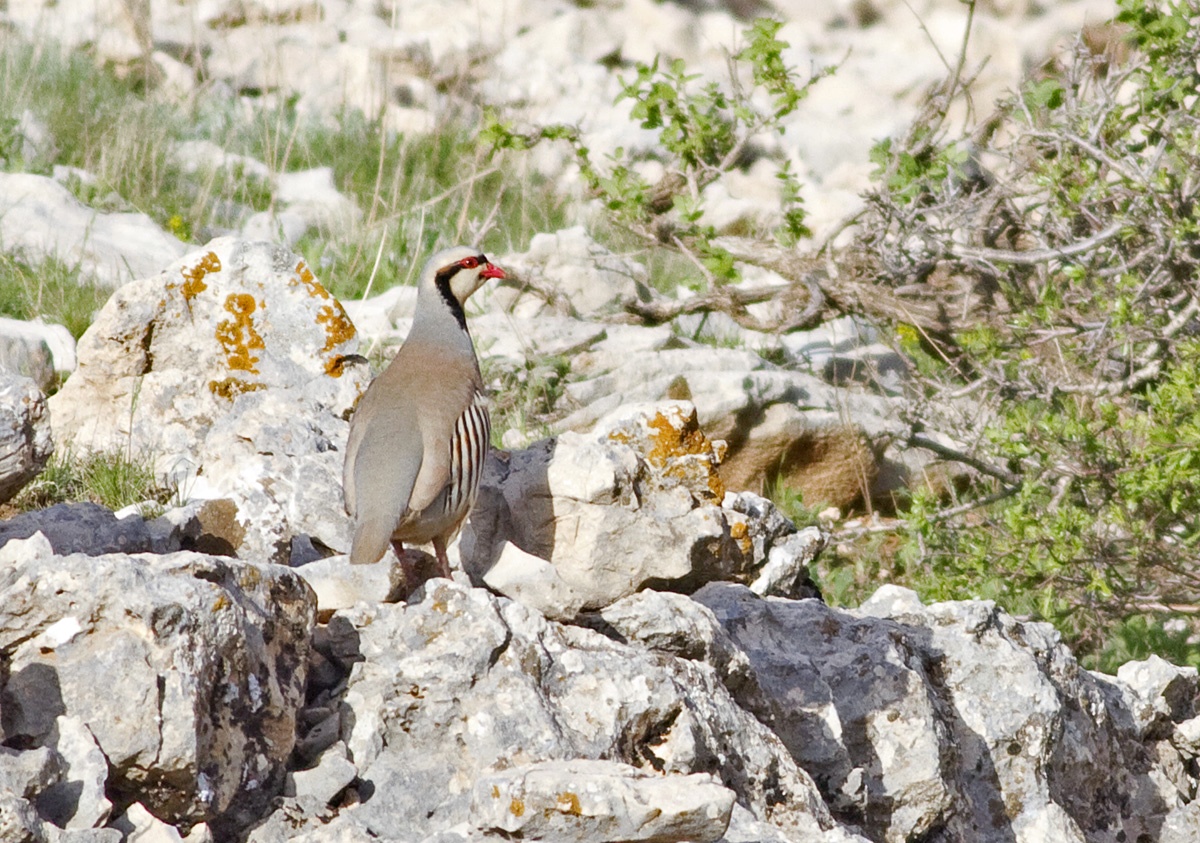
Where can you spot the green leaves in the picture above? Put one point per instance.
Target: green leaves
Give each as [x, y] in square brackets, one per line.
[695, 126]
[704, 129]
[909, 177]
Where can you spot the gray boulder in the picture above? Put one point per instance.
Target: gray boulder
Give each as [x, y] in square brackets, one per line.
[579, 521]
[26, 442]
[85, 527]
[955, 719]
[36, 350]
[458, 686]
[40, 219]
[186, 670]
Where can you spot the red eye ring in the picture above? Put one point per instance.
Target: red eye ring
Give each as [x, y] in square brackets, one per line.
[469, 263]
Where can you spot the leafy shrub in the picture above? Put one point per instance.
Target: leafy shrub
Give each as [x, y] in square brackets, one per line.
[1051, 262]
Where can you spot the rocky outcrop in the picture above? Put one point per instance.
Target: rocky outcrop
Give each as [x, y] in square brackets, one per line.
[166, 693]
[235, 369]
[171, 681]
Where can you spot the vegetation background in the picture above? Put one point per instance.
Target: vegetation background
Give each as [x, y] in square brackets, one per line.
[1039, 273]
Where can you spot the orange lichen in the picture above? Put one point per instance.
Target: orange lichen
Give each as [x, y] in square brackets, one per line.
[230, 388]
[338, 327]
[740, 533]
[238, 335]
[495, 791]
[305, 277]
[193, 277]
[568, 803]
[335, 366]
[516, 807]
[669, 442]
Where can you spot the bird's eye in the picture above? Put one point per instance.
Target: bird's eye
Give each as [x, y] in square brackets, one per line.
[469, 263]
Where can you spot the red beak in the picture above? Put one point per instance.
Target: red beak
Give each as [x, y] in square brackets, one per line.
[492, 271]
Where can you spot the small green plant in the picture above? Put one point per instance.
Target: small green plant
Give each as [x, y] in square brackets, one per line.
[52, 291]
[524, 396]
[790, 502]
[704, 130]
[113, 480]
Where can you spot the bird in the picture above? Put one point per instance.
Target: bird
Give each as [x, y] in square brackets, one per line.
[419, 436]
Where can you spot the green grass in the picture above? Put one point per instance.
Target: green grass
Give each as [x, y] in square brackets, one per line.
[416, 193]
[524, 397]
[113, 480]
[51, 291]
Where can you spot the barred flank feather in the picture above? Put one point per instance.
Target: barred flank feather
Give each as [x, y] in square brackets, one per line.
[468, 449]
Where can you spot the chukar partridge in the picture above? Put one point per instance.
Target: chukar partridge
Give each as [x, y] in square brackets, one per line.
[420, 434]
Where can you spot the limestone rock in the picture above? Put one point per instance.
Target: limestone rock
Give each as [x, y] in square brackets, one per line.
[636, 503]
[339, 585]
[776, 422]
[234, 369]
[595, 801]
[187, 670]
[331, 775]
[459, 685]
[25, 434]
[28, 773]
[1159, 694]
[39, 219]
[894, 710]
[78, 800]
[36, 350]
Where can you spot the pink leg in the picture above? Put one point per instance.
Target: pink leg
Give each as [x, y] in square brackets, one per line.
[439, 547]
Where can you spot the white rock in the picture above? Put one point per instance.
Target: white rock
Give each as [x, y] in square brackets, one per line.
[594, 801]
[312, 196]
[634, 503]
[534, 582]
[231, 368]
[788, 562]
[590, 278]
[339, 585]
[26, 442]
[331, 775]
[1158, 692]
[50, 344]
[140, 826]
[39, 219]
[459, 684]
[78, 801]
[198, 156]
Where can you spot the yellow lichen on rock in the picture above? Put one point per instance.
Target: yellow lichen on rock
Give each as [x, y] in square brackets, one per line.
[230, 388]
[193, 277]
[516, 807]
[238, 335]
[568, 803]
[676, 442]
[338, 327]
[740, 533]
[304, 276]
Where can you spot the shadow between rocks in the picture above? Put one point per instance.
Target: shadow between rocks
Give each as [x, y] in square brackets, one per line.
[514, 505]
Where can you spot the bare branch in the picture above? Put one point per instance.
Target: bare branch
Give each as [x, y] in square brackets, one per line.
[1036, 256]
